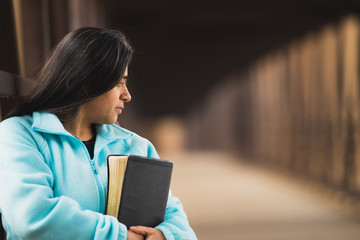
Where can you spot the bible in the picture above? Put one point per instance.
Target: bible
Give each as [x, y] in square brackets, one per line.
[138, 189]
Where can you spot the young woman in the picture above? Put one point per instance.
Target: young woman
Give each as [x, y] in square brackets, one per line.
[53, 170]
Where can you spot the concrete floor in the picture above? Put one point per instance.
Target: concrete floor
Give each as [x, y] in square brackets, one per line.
[226, 199]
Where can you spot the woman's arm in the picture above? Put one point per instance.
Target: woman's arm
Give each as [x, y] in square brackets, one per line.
[28, 205]
[176, 224]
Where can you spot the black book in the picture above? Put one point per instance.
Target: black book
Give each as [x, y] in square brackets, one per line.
[138, 189]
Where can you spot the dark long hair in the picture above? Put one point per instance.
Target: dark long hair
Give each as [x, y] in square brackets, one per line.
[85, 64]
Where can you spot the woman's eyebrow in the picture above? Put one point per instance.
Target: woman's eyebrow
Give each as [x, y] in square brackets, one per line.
[124, 78]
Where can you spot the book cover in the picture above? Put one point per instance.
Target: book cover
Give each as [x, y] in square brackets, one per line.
[138, 189]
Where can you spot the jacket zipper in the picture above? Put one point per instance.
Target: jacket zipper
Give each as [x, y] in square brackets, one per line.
[95, 174]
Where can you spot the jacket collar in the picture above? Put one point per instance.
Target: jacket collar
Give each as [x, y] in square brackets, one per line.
[50, 123]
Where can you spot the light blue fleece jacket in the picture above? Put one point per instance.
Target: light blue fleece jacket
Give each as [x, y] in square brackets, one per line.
[51, 189]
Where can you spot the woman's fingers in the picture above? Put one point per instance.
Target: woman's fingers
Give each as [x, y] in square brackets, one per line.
[134, 236]
[141, 230]
[150, 233]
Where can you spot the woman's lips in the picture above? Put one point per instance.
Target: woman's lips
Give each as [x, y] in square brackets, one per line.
[119, 109]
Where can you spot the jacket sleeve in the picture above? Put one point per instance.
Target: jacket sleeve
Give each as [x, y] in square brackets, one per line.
[27, 202]
[176, 225]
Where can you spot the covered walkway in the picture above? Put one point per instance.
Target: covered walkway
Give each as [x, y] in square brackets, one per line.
[227, 199]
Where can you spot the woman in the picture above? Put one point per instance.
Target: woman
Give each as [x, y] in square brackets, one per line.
[53, 170]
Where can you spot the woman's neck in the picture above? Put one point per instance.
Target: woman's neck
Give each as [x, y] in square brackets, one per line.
[82, 133]
[80, 128]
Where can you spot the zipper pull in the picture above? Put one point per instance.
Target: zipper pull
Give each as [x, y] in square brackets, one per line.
[94, 167]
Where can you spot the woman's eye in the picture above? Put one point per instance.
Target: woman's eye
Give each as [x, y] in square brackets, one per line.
[123, 81]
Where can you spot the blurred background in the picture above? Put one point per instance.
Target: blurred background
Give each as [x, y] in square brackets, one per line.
[257, 103]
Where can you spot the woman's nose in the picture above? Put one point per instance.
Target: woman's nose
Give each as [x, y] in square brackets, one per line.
[126, 96]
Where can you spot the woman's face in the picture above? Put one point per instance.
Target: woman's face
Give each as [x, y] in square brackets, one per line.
[105, 108]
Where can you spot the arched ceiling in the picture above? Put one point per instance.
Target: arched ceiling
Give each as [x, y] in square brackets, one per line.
[184, 48]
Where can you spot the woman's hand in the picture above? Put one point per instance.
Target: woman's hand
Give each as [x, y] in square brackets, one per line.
[149, 233]
[134, 236]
